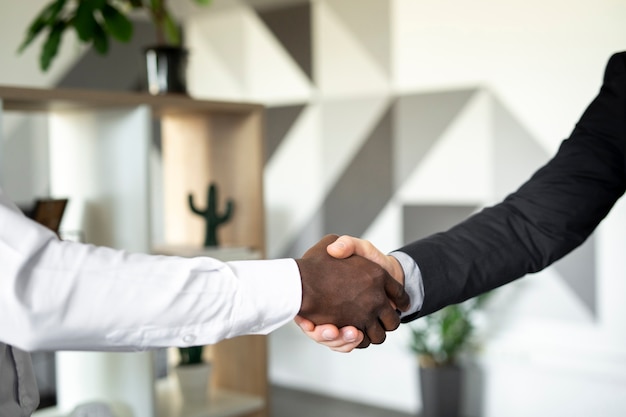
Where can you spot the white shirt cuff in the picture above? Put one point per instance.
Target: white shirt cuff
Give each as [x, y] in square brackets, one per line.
[413, 284]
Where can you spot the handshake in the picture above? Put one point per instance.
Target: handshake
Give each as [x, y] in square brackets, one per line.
[352, 294]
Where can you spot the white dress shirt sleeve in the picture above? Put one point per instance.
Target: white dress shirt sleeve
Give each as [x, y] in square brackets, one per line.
[413, 283]
[58, 295]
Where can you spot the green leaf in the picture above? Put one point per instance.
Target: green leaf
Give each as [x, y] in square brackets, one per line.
[172, 33]
[47, 17]
[136, 4]
[35, 29]
[84, 21]
[204, 2]
[116, 24]
[100, 40]
[51, 46]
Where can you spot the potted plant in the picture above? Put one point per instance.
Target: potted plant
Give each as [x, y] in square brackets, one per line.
[439, 340]
[97, 22]
[193, 373]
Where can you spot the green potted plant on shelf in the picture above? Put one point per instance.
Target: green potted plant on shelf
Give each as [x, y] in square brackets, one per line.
[97, 22]
[193, 373]
[439, 340]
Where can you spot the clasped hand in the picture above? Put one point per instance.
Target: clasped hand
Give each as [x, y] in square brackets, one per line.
[356, 294]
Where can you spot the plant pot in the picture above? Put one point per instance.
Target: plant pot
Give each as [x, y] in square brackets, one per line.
[441, 391]
[194, 382]
[166, 70]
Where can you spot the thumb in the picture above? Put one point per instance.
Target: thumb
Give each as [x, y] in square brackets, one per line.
[341, 248]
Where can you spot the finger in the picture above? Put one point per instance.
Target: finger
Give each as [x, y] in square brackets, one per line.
[327, 334]
[346, 246]
[376, 333]
[304, 324]
[390, 319]
[351, 338]
[330, 335]
[351, 335]
[364, 343]
[396, 294]
[342, 248]
[337, 342]
[355, 246]
[346, 348]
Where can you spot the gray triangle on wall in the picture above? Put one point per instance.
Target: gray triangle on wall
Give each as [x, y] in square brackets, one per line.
[365, 186]
[359, 195]
[578, 270]
[419, 120]
[279, 122]
[291, 24]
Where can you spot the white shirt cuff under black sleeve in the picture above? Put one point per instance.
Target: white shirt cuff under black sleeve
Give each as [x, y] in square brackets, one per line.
[413, 284]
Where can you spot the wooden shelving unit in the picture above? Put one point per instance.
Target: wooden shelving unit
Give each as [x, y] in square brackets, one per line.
[127, 192]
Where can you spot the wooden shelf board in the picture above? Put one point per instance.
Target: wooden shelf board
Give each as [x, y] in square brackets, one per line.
[40, 99]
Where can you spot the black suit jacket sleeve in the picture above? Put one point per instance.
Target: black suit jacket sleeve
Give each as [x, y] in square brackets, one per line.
[549, 216]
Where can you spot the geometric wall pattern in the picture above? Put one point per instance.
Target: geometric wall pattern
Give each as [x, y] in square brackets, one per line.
[402, 137]
[342, 145]
[352, 148]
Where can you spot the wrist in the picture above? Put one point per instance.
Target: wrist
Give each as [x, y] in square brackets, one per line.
[396, 270]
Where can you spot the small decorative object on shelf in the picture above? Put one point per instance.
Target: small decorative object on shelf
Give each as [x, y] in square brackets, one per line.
[212, 219]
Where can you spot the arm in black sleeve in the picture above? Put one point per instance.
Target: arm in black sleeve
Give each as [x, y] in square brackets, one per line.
[548, 217]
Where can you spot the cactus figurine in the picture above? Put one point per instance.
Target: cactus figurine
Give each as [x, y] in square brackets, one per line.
[212, 219]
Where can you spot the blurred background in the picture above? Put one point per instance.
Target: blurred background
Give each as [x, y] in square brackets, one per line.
[391, 120]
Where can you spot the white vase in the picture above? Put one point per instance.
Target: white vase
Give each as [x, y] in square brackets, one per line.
[194, 382]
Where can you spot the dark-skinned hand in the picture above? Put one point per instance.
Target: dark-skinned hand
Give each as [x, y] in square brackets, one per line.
[351, 291]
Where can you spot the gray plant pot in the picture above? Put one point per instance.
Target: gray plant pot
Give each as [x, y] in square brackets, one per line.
[441, 391]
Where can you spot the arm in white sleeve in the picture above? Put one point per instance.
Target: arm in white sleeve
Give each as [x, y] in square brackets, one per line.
[413, 284]
[57, 295]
